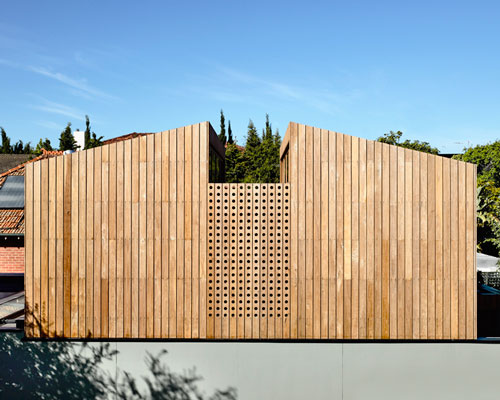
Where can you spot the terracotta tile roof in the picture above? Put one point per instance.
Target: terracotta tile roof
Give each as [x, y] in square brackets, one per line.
[19, 169]
[126, 137]
[12, 222]
[240, 148]
[51, 153]
[8, 161]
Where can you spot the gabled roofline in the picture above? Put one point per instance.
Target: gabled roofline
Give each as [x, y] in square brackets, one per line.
[45, 154]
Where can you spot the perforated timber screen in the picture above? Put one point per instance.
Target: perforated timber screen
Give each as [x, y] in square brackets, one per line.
[248, 261]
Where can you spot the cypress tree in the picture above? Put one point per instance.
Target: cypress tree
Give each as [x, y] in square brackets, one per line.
[277, 142]
[235, 167]
[259, 162]
[6, 147]
[91, 140]
[87, 132]
[18, 147]
[27, 148]
[276, 156]
[67, 140]
[222, 134]
[268, 132]
[229, 134]
[252, 156]
[269, 164]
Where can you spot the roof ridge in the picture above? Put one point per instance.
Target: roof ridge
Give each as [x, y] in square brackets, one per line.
[127, 136]
[45, 154]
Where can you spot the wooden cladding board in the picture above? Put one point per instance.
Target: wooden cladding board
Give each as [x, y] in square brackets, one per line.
[116, 239]
[248, 263]
[383, 240]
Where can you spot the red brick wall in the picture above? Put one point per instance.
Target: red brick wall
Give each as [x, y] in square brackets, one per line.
[11, 260]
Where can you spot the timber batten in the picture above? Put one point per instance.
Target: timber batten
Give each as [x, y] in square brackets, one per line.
[360, 240]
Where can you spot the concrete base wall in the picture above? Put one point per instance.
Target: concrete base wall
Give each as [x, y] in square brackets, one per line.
[334, 371]
[281, 370]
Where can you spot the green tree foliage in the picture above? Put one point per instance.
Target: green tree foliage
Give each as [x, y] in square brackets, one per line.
[86, 138]
[269, 163]
[27, 148]
[18, 148]
[94, 141]
[234, 166]
[43, 144]
[258, 161]
[488, 219]
[91, 139]
[6, 148]
[277, 143]
[394, 138]
[487, 159]
[252, 156]
[267, 132]
[230, 134]
[67, 140]
[222, 134]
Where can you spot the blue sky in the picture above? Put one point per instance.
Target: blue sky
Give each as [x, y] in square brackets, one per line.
[430, 69]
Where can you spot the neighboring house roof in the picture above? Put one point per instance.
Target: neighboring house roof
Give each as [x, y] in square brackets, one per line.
[240, 148]
[12, 222]
[12, 192]
[126, 137]
[12, 218]
[19, 169]
[8, 161]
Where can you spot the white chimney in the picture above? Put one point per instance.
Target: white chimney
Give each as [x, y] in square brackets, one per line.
[80, 138]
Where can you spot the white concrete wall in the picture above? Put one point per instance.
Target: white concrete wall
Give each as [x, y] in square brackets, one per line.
[334, 371]
[80, 139]
[275, 370]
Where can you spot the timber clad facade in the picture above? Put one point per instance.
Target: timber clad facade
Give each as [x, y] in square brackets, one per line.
[383, 240]
[360, 240]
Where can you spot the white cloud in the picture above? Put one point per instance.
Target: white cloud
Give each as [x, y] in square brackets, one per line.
[60, 109]
[243, 87]
[50, 125]
[77, 87]
[8, 63]
[81, 85]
